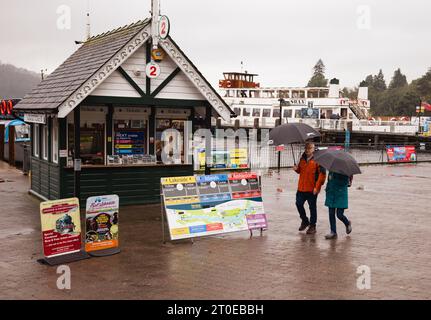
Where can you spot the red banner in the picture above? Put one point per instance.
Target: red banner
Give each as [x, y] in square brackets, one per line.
[401, 154]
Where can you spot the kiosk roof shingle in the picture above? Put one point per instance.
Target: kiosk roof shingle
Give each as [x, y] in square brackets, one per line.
[79, 67]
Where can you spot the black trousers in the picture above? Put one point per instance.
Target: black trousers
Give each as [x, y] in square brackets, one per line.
[301, 198]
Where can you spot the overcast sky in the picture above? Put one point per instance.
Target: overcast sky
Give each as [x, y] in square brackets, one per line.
[279, 39]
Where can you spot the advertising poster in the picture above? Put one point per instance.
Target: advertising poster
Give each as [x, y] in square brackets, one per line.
[61, 227]
[401, 154]
[210, 205]
[102, 223]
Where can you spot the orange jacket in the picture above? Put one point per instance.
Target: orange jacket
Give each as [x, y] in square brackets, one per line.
[311, 175]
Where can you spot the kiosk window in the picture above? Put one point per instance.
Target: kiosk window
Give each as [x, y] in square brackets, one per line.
[92, 146]
[36, 140]
[54, 136]
[45, 142]
[164, 124]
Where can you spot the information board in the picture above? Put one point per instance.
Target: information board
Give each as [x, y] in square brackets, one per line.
[102, 223]
[129, 143]
[209, 205]
[61, 227]
[403, 154]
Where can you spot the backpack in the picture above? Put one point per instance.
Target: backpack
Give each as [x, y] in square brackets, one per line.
[319, 170]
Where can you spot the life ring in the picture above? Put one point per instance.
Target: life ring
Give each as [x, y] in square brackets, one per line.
[3, 107]
[10, 107]
[229, 84]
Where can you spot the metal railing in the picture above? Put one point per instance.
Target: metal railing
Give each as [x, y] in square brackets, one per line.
[365, 154]
[400, 127]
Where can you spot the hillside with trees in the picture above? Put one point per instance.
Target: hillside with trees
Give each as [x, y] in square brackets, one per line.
[399, 98]
[16, 82]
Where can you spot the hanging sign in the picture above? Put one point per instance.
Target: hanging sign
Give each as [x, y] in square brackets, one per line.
[61, 227]
[102, 223]
[210, 205]
[164, 27]
[153, 70]
[35, 118]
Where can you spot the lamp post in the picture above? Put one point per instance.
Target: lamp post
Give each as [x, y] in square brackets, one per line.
[282, 104]
[419, 113]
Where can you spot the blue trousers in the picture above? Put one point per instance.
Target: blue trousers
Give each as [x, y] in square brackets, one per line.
[301, 198]
[333, 220]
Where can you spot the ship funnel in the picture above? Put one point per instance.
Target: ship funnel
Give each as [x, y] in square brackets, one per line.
[363, 93]
[334, 88]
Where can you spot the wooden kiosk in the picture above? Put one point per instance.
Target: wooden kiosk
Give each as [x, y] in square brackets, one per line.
[97, 120]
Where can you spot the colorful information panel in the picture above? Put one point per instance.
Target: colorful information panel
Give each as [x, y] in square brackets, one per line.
[129, 143]
[102, 223]
[209, 205]
[232, 160]
[401, 154]
[61, 227]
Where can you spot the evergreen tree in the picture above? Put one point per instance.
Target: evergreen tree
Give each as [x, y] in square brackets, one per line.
[318, 79]
[368, 82]
[398, 80]
[379, 82]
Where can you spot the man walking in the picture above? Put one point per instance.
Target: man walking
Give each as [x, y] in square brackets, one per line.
[311, 179]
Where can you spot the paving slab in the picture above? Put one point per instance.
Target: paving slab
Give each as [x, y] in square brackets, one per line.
[389, 207]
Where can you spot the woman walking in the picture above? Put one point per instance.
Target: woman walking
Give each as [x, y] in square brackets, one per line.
[337, 202]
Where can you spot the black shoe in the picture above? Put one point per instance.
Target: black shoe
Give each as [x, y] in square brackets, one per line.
[349, 228]
[312, 230]
[304, 225]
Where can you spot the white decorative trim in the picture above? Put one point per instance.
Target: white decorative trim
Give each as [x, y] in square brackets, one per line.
[206, 90]
[104, 72]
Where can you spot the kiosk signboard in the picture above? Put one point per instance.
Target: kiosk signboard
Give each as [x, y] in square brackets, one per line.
[61, 227]
[102, 223]
[209, 205]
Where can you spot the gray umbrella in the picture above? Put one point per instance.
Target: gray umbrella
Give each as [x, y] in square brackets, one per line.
[292, 133]
[337, 161]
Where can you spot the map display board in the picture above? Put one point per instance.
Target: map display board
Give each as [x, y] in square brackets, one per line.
[102, 223]
[401, 154]
[61, 227]
[209, 205]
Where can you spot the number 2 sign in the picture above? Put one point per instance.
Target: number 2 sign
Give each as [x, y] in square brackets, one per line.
[164, 27]
[153, 70]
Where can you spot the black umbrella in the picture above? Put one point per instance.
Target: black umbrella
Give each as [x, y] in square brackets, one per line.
[292, 133]
[337, 161]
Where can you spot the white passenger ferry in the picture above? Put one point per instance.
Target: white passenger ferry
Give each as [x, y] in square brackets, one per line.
[256, 105]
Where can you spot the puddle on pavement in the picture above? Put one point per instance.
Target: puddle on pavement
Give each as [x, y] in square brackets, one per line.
[3, 180]
[11, 233]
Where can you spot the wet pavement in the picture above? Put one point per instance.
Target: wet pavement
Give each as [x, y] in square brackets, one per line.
[391, 235]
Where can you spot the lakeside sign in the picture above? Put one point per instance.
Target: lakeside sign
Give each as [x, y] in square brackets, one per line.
[61, 227]
[102, 223]
[198, 206]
